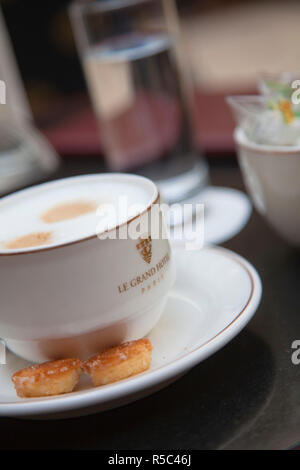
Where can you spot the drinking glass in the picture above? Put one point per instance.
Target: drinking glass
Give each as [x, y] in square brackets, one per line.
[140, 90]
[25, 155]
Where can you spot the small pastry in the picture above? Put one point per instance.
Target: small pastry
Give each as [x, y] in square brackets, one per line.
[119, 362]
[49, 378]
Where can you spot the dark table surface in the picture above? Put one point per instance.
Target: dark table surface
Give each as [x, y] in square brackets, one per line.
[245, 396]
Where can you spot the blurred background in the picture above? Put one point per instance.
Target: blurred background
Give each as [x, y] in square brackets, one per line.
[228, 43]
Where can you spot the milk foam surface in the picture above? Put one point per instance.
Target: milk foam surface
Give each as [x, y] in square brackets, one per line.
[21, 214]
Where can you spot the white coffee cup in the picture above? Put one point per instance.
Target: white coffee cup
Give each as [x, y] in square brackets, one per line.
[271, 175]
[80, 294]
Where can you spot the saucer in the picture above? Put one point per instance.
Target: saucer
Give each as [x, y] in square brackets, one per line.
[215, 295]
[226, 212]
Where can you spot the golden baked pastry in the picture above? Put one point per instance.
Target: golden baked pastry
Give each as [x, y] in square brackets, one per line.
[120, 362]
[49, 378]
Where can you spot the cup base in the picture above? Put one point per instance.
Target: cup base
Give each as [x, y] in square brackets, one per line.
[90, 343]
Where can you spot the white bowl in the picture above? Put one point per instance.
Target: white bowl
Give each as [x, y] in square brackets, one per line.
[271, 175]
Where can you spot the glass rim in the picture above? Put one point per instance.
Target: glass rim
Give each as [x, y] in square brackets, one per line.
[104, 6]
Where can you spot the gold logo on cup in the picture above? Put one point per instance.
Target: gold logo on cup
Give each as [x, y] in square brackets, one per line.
[144, 247]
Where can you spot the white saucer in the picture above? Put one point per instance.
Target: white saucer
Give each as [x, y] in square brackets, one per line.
[215, 295]
[226, 212]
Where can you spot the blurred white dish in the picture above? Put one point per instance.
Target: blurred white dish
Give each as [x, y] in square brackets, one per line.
[226, 212]
[215, 295]
[271, 176]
